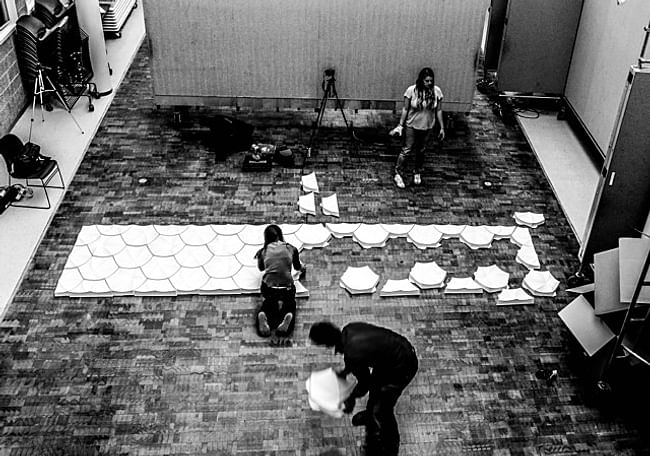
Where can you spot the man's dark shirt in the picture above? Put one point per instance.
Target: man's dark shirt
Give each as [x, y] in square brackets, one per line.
[390, 355]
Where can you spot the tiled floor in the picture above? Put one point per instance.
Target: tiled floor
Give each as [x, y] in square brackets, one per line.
[188, 375]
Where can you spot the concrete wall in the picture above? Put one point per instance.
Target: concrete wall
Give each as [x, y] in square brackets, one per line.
[13, 98]
[608, 42]
[217, 50]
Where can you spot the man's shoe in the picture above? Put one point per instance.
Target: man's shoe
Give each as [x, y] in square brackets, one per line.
[284, 326]
[359, 419]
[399, 181]
[417, 179]
[263, 325]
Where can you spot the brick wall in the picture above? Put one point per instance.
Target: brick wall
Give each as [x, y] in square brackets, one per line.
[13, 98]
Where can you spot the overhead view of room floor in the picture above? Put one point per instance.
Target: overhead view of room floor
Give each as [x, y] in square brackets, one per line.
[161, 361]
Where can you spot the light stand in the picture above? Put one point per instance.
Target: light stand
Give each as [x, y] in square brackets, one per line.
[39, 90]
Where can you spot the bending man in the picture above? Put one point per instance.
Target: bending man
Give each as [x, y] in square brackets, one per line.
[394, 364]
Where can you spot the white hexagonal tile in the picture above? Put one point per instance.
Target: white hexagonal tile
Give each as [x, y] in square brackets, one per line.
[222, 267]
[170, 230]
[98, 268]
[289, 228]
[340, 230]
[156, 287]
[106, 246]
[360, 279]
[227, 230]
[450, 231]
[491, 278]
[68, 280]
[424, 236]
[224, 245]
[133, 257]
[530, 219]
[252, 234]
[193, 256]
[138, 235]
[370, 235]
[91, 287]
[79, 255]
[500, 231]
[188, 280]
[527, 256]
[397, 230]
[246, 256]
[112, 230]
[401, 287]
[159, 268]
[125, 281]
[88, 234]
[313, 235]
[198, 235]
[476, 237]
[164, 246]
[294, 241]
[248, 279]
[225, 286]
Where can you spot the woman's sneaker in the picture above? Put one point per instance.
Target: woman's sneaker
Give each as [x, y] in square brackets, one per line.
[284, 326]
[399, 181]
[263, 325]
[417, 179]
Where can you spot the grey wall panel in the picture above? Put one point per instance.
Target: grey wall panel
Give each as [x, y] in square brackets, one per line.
[537, 45]
[608, 42]
[279, 48]
[622, 200]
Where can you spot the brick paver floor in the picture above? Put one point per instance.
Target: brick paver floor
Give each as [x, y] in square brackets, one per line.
[188, 375]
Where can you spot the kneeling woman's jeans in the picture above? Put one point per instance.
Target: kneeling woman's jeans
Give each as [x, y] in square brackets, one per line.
[413, 143]
[277, 302]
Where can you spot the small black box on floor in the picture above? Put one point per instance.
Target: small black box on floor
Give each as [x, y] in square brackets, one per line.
[230, 135]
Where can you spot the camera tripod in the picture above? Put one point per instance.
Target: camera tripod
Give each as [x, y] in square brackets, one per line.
[40, 90]
[329, 91]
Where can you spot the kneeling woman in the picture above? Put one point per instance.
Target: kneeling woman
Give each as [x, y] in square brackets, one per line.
[278, 290]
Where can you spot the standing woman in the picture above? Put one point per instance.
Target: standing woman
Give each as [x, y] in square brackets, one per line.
[422, 107]
[278, 290]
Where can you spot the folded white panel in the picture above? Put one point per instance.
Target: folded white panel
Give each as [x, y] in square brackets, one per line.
[500, 231]
[340, 230]
[301, 291]
[521, 237]
[198, 235]
[137, 236]
[588, 329]
[252, 234]
[370, 235]
[396, 230]
[540, 283]
[424, 236]
[491, 278]
[307, 204]
[428, 275]
[527, 256]
[313, 235]
[514, 297]
[463, 285]
[309, 182]
[450, 231]
[476, 237]
[401, 287]
[330, 205]
[226, 244]
[358, 280]
[530, 219]
[326, 391]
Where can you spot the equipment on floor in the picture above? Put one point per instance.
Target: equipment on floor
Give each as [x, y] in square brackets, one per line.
[230, 135]
[259, 158]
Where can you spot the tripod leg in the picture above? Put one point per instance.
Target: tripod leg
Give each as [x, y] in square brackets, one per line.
[39, 88]
[319, 119]
[339, 106]
[65, 104]
[31, 121]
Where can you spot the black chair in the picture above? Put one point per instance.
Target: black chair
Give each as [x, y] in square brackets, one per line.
[10, 148]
